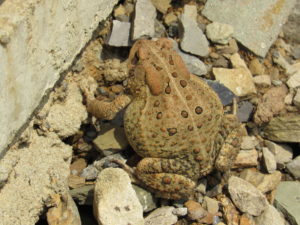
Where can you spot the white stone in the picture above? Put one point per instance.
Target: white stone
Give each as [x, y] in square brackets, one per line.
[283, 153]
[294, 80]
[144, 20]
[246, 158]
[39, 40]
[248, 142]
[163, 215]
[296, 99]
[269, 160]
[294, 167]
[120, 34]
[192, 38]
[40, 171]
[270, 217]
[219, 32]
[246, 197]
[262, 80]
[115, 201]
[212, 205]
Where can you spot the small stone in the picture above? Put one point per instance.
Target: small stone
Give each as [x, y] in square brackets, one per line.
[245, 110]
[76, 181]
[288, 100]
[294, 167]
[120, 34]
[219, 32]
[144, 21]
[119, 11]
[246, 158]
[256, 67]
[221, 62]
[283, 153]
[296, 99]
[146, 199]
[78, 165]
[162, 5]
[263, 182]
[271, 104]
[269, 160]
[287, 200]
[294, 80]
[115, 201]
[192, 38]
[262, 80]
[180, 211]
[90, 172]
[294, 68]
[83, 195]
[249, 142]
[163, 215]
[239, 79]
[246, 197]
[270, 217]
[223, 92]
[170, 18]
[230, 212]
[195, 210]
[283, 128]
[212, 205]
[111, 139]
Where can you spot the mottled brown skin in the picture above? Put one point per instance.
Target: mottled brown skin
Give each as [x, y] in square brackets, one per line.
[175, 122]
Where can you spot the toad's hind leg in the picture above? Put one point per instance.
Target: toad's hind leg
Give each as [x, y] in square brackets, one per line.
[231, 145]
[167, 178]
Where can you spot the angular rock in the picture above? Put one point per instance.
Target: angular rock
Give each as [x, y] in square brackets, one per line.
[83, 195]
[120, 34]
[246, 158]
[219, 32]
[180, 211]
[246, 197]
[294, 167]
[262, 80]
[76, 181]
[263, 182]
[260, 24]
[271, 104]
[270, 217]
[294, 81]
[163, 215]
[291, 28]
[256, 67]
[111, 139]
[296, 99]
[269, 160]
[144, 20]
[223, 92]
[146, 198]
[283, 153]
[230, 211]
[212, 205]
[239, 79]
[162, 5]
[192, 38]
[283, 129]
[115, 201]
[287, 200]
[245, 109]
[249, 142]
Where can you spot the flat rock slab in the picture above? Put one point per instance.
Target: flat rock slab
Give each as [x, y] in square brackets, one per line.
[287, 200]
[259, 25]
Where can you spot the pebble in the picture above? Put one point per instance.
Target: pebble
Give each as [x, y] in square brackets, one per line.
[144, 20]
[78, 165]
[246, 158]
[223, 92]
[263, 182]
[163, 215]
[239, 79]
[269, 160]
[83, 195]
[162, 5]
[219, 32]
[195, 210]
[146, 198]
[256, 67]
[245, 110]
[262, 80]
[111, 139]
[284, 128]
[270, 217]
[246, 197]
[115, 201]
[288, 100]
[283, 153]
[294, 167]
[296, 99]
[192, 38]
[251, 29]
[75, 181]
[230, 212]
[294, 80]
[221, 62]
[249, 142]
[170, 18]
[287, 200]
[180, 211]
[211, 205]
[120, 34]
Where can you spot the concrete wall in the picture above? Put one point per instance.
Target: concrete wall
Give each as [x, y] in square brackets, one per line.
[39, 39]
